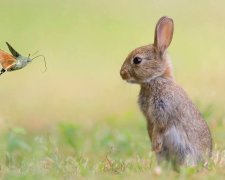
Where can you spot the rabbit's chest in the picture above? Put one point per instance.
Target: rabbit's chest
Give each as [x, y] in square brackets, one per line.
[146, 104]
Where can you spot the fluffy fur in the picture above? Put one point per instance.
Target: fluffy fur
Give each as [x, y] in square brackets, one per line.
[175, 126]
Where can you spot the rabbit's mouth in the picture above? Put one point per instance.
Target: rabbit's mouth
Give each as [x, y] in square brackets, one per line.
[125, 74]
[127, 77]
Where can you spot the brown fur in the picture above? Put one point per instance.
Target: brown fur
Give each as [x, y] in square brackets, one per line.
[175, 126]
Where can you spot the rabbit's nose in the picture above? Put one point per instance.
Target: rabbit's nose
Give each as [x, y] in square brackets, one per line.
[124, 74]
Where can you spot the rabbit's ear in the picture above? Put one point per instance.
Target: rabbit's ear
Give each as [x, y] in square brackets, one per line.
[163, 33]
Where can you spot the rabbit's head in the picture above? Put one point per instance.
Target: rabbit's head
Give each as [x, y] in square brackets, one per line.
[150, 61]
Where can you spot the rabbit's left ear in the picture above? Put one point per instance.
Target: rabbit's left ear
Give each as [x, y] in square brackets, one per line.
[163, 33]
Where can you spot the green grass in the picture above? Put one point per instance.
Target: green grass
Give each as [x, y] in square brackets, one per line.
[104, 150]
[107, 149]
[79, 119]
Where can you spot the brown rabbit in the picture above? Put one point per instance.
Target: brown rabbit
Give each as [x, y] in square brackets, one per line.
[175, 126]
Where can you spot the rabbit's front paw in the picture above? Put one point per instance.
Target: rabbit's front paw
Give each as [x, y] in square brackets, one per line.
[157, 145]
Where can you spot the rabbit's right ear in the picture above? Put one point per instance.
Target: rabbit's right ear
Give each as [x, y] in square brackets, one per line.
[163, 33]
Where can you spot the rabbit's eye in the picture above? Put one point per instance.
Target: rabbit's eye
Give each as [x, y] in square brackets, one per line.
[137, 60]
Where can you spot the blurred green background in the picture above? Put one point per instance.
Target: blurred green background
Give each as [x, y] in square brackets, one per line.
[85, 43]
